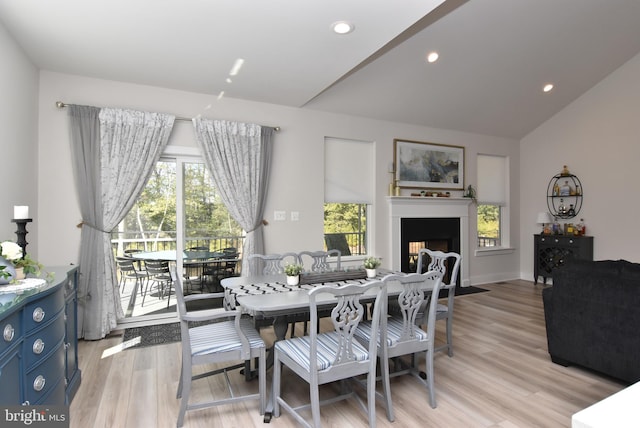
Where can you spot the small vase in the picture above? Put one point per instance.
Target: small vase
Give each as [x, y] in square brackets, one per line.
[371, 273]
[9, 268]
[293, 279]
[20, 273]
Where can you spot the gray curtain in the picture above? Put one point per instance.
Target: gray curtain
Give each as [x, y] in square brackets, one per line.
[238, 155]
[114, 152]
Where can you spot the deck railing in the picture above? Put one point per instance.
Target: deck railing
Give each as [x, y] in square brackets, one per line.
[152, 241]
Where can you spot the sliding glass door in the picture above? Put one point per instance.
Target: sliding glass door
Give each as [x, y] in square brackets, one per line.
[179, 204]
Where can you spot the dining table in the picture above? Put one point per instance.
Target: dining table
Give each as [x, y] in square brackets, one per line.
[194, 260]
[268, 298]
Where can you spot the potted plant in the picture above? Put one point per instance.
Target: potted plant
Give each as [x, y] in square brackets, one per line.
[22, 265]
[293, 272]
[371, 264]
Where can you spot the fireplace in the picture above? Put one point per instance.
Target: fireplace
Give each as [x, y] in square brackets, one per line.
[435, 223]
[441, 234]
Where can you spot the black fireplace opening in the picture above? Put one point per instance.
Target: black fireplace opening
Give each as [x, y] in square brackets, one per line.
[441, 234]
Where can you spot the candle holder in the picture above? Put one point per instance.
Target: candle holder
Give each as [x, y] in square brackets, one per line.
[22, 233]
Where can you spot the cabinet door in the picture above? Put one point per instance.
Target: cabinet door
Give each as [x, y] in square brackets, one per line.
[10, 375]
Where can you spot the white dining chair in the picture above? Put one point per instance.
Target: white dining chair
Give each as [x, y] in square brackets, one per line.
[228, 337]
[402, 336]
[449, 265]
[321, 358]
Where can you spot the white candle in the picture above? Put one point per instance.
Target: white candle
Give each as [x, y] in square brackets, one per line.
[20, 211]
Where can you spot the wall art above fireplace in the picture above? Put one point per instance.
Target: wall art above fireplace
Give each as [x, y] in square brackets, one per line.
[428, 165]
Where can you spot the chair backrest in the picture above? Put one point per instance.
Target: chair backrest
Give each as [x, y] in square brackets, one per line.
[157, 267]
[272, 264]
[418, 290]
[320, 259]
[337, 241]
[347, 313]
[447, 263]
[126, 264]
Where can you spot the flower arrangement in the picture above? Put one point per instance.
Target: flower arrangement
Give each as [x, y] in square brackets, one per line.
[293, 269]
[372, 263]
[13, 253]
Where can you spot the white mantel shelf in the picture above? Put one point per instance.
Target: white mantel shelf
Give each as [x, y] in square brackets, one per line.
[430, 207]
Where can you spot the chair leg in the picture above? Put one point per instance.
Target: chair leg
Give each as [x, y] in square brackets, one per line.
[275, 384]
[314, 394]
[386, 388]
[449, 335]
[430, 386]
[185, 382]
[262, 380]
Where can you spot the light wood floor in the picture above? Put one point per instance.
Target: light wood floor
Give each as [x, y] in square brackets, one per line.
[500, 376]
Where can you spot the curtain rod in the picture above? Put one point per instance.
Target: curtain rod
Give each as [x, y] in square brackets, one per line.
[62, 105]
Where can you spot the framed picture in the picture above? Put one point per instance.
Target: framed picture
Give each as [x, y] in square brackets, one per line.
[428, 165]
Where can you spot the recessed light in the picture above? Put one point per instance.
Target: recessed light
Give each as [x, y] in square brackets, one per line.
[342, 27]
[229, 80]
[548, 87]
[432, 56]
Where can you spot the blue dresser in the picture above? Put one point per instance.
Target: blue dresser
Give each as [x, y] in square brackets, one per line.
[39, 345]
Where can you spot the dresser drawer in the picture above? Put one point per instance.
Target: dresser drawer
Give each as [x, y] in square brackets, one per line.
[41, 311]
[44, 377]
[40, 344]
[11, 331]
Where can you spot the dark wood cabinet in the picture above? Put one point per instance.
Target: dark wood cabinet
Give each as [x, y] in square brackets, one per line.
[551, 252]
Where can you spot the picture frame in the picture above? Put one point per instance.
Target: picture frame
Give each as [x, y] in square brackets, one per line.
[428, 165]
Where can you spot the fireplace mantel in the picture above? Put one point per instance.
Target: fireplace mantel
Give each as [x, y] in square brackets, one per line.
[430, 207]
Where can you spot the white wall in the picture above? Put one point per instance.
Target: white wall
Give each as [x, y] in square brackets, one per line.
[598, 137]
[18, 140]
[297, 178]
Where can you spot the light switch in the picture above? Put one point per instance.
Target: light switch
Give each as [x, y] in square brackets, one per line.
[279, 215]
[295, 215]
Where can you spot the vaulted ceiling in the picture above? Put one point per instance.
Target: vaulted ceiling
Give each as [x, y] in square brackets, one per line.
[495, 56]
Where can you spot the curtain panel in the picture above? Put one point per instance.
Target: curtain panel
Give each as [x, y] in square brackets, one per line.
[238, 155]
[114, 153]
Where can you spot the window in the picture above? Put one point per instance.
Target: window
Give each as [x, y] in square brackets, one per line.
[348, 194]
[492, 201]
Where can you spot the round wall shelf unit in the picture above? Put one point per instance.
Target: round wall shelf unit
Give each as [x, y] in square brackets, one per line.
[564, 196]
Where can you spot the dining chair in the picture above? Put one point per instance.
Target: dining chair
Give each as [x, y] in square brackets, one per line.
[403, 336]
[271, 264]
[449, 265]
[228, 337]
[127, 270]
[319, 260]
[321, 358]
[158, 275]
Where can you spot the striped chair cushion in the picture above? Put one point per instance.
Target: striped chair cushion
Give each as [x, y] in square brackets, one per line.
[299, 349]
[222, 337]
[394, 331]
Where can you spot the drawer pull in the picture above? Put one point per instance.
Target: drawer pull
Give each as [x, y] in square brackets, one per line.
[38, 314]
[9, 333]
[570, 241]
[38, 346]
[557, 241]
[39, 383]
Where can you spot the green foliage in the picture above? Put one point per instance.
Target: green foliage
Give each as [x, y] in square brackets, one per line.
[371, 262]
[344, 218]
[293, 269]
[489, 221]
[153, 216]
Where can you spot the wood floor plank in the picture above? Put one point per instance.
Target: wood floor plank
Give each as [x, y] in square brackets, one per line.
[500, 376]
